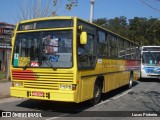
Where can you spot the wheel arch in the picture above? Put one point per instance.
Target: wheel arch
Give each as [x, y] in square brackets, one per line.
[100, 81]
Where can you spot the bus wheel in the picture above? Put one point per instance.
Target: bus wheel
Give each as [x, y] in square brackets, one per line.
[96, 94]
[130, 81]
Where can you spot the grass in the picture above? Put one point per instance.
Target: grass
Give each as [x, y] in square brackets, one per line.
[2, 75]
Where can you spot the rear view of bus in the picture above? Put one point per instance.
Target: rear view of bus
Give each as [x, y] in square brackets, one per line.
[150, 62]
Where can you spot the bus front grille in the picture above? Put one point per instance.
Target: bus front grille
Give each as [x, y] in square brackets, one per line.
[42, 80]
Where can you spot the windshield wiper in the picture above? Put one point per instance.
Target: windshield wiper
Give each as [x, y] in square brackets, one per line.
[157, 56]
[51, 65]
[25, 67]
[45, 59]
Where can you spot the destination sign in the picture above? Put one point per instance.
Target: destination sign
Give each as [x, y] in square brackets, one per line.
[151, 49]
[45, 24]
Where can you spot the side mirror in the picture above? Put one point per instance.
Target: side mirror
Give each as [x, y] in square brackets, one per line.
[83, 38]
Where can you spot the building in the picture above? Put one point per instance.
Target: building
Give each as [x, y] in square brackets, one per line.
[6, 31]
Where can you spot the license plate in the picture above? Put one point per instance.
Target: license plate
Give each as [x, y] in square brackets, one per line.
[38, 94]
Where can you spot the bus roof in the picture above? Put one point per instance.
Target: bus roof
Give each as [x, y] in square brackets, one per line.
[150, 46]
[46, 18]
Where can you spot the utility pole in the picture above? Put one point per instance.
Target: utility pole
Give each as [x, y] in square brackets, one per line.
[91, 11]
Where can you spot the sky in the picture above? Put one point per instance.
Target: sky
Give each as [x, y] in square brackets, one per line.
[9, 9]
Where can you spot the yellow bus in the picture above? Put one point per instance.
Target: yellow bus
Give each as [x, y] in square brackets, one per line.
[69, 59]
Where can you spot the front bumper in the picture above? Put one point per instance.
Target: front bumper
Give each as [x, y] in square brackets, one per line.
[53, 95]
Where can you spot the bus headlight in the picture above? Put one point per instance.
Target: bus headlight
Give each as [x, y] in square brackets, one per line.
[18, 84]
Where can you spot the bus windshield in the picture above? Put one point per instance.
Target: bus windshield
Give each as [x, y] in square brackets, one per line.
[151, 58]
[43, 49]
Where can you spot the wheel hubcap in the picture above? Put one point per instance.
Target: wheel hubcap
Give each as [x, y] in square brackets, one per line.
[98, 93]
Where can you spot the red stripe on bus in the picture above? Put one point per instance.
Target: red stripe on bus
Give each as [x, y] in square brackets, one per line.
[23, 75]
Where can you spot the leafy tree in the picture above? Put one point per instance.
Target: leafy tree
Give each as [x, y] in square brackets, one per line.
[137, 27]
[101, 22]
[143, 31]
[118, 24]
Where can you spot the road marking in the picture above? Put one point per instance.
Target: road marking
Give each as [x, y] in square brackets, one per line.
[103, 102]
[113, 98]
[122, 94]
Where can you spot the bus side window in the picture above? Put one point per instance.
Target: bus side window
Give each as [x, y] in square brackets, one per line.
[113, 46]
[102, 44]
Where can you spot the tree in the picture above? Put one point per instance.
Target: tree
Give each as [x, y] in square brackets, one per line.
[29, 9]
[143, 31]
[118, 24]
[101, 22]
[137, 30]
[71, 4]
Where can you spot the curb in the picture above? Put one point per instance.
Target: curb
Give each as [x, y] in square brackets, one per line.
[2, 96]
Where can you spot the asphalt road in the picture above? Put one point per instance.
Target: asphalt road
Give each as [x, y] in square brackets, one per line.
[142, 102]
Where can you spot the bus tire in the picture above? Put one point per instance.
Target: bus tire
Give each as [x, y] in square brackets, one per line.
[96, 94]
[130, 81]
